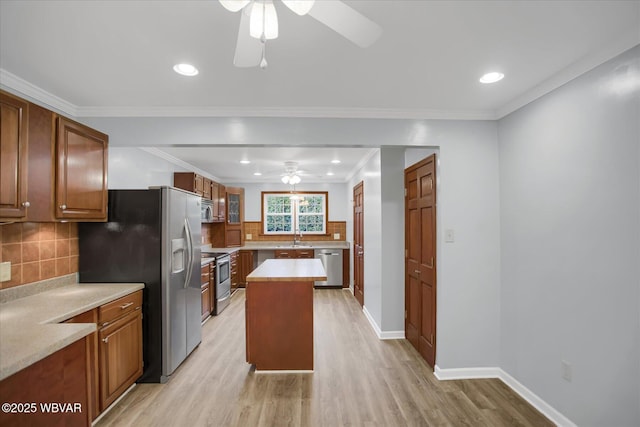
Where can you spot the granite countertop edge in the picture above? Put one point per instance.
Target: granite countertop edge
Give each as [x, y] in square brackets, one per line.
[30, 328]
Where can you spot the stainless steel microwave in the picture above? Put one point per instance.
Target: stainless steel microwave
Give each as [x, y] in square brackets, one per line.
[206, 212]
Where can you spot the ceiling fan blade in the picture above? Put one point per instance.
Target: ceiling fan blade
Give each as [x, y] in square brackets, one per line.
[248, 49]
[346, 21]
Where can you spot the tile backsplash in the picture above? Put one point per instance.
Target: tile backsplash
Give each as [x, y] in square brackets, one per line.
[38, 251]
[333, 227]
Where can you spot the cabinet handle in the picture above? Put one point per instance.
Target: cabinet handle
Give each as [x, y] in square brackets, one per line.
[105, 340]
[63, 207]
[26, 204]
[123, 306]
[416, 271]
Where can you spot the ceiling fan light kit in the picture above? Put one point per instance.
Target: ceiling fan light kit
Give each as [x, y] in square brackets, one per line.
[259, 23]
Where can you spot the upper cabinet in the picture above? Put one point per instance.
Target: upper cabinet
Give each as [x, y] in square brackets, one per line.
[235, 216]
[81, 178]
[53, 169]
[206, 188]
[14, 117]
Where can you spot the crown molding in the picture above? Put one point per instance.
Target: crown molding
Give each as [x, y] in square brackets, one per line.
[13, 84]
[297, 112]
[178, 162]
[577, 68]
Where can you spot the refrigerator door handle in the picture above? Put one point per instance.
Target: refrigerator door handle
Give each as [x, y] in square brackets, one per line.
[187, 228]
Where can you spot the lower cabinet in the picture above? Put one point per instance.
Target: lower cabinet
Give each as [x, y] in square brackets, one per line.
[293, 253]
[120, 356]
[114, 351]
[205, 287]
[235, 277]
[246, 266]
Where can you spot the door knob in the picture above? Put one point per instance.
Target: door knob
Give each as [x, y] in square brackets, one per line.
[63, 207]
[26, 204]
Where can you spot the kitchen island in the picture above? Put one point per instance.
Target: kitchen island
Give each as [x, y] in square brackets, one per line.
[279, 314]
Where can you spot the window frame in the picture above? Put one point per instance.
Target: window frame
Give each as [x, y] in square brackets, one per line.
[295, 212]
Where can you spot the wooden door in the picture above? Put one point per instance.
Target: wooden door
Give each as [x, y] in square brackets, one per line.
[14, 117]
[358, 242]
[420, 256]
[81, 179]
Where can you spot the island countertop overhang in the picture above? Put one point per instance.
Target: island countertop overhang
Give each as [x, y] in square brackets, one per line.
[288, 270]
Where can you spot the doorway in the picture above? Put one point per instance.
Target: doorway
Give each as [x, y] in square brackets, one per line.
[358, 242]
[420, 257]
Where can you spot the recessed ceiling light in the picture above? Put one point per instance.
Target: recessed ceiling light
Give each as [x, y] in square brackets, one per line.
[329, 173]
[185, 69]
[491, 77]
[257, 173]
[335, 162]
[245, 162]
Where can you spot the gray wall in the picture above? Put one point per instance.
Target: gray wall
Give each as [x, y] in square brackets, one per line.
[570, 226]
[133, 168]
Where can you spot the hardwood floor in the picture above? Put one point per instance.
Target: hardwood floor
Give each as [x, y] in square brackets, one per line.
[358, 381]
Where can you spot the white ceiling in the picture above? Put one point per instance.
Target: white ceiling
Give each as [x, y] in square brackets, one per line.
[114, 58]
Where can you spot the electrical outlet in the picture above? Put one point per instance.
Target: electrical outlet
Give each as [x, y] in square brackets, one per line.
[566, 370]
[5, 271]
[248, 237]
[336, 236]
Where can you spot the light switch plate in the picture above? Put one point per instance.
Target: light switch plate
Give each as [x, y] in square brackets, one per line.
[336, 236]
[449, 236]
[5, 271]
[248, 236]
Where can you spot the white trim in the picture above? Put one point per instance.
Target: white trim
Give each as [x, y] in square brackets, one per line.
[382, 335]
[284, 371]
[363, 161]
[579, 67]
[16, 84]
[534, 400]
[301, 112]
[171, 159]
[113, 405]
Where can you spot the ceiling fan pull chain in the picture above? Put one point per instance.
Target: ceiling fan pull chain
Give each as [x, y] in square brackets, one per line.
[263, 61]
[263, 39]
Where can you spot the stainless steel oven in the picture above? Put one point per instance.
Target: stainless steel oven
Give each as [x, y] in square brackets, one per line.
[223, 280]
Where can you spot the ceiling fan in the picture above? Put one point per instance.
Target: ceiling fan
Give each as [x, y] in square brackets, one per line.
[259, 23]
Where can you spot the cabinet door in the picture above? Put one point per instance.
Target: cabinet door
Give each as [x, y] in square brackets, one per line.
[246, 266]
[198, 183]
[206, 301]
[234, 271]
[14, 114]
[120, 356]
[206, 188]
[235, 216]
[222, 205]
[81, 176]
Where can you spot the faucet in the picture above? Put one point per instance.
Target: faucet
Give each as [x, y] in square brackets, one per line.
[297, 237]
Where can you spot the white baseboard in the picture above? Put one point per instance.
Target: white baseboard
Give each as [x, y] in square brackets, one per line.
[382, 335]
[473, 373]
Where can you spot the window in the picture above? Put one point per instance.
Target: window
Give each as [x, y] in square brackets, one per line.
[282, 213]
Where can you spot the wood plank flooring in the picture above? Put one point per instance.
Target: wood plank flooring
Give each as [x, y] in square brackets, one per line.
[358, 381]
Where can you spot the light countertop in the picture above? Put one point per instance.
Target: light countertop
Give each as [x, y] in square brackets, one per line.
[30, 327]
[289, 270]
[264, 245]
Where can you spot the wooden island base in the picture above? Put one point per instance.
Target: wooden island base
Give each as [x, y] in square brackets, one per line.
[279, 318]
[279, 314]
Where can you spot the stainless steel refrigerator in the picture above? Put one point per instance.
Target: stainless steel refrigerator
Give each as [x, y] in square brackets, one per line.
[152, 236]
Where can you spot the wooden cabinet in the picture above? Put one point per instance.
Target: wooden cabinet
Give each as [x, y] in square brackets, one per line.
[61, 169]
[14, 114]
[189, 181]
[206, 188]
[120, 346]
[219, 203]
[81, 173]
[235, 216]
[59, 378]
[91, 348]
[245, 266]
[205, 286]
[293, 253]
[233, 263]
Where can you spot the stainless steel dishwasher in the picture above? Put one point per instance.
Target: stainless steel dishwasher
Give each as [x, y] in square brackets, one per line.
[332, 262]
